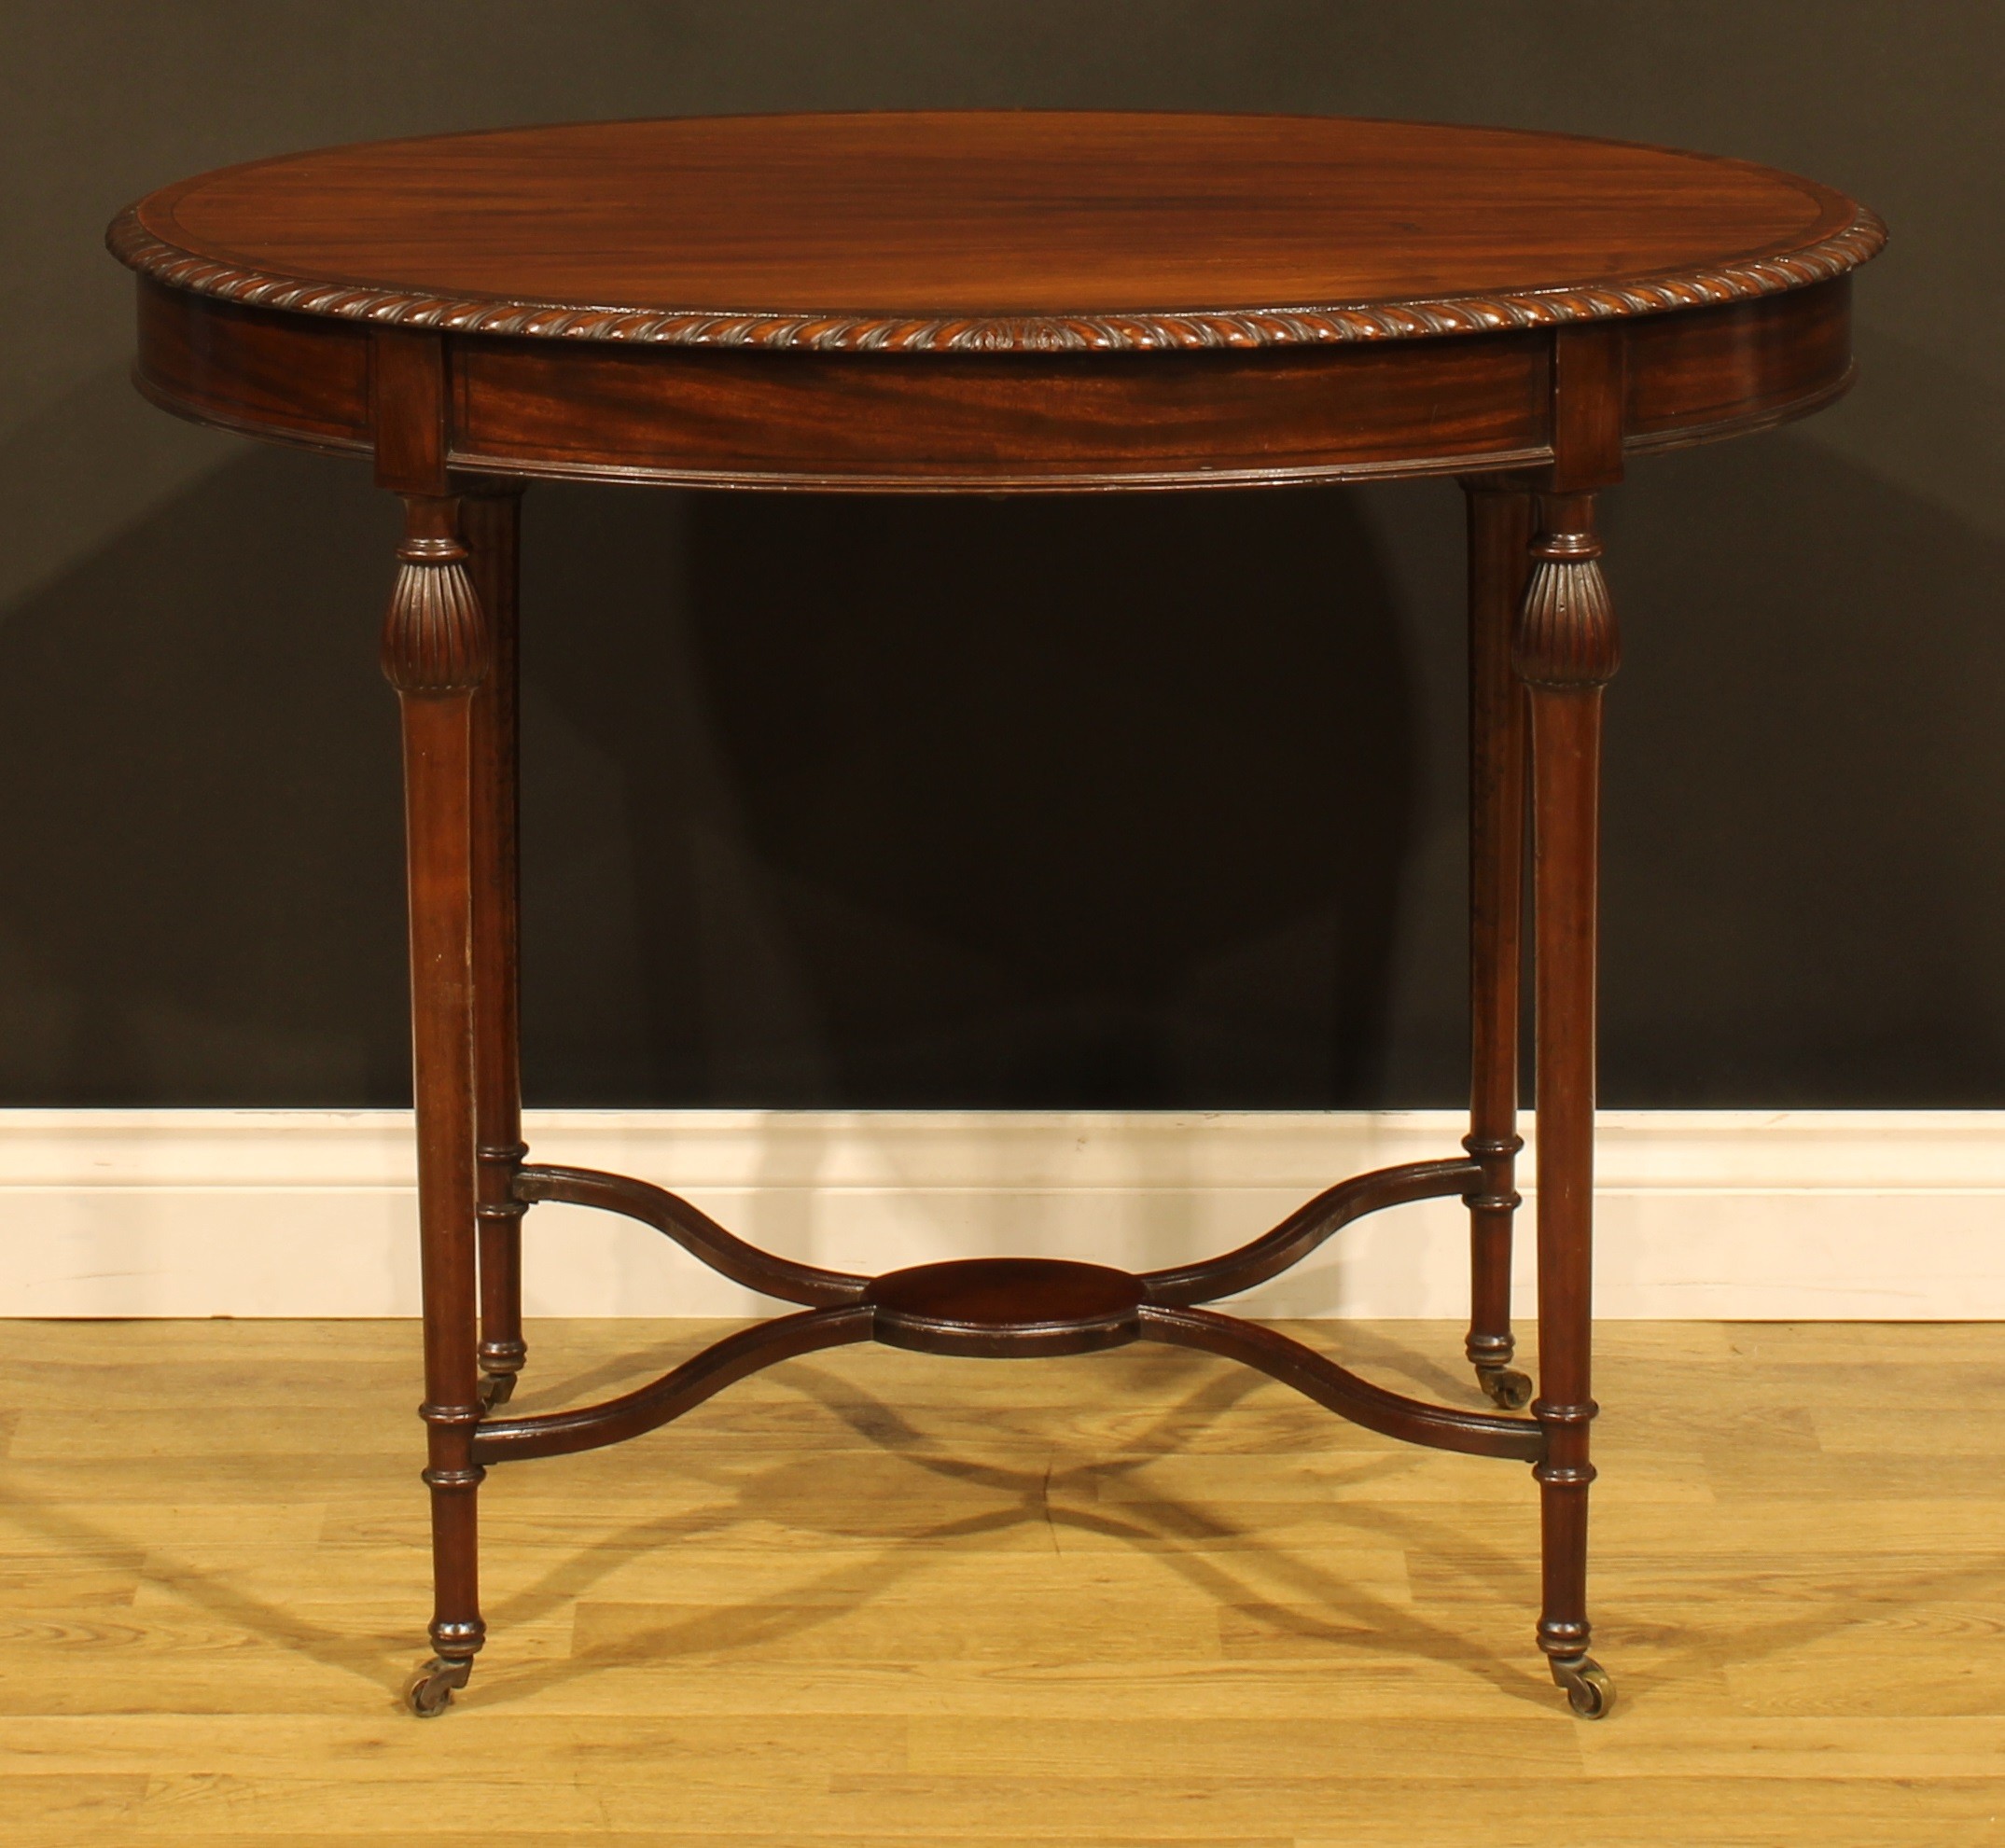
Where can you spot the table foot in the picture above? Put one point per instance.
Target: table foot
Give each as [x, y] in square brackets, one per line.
[1504, 1387]
[1590, 1691]
[429, 1691]
[500, 1360]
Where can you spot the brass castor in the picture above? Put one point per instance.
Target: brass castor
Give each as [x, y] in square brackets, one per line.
[1589, 1692]
[429, 1692]
[495, 1389]
[1505, 1389]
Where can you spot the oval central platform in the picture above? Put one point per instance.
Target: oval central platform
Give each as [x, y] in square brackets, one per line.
[1000, 1307]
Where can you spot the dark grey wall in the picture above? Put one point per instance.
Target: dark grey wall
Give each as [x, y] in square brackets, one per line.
[1127, 803]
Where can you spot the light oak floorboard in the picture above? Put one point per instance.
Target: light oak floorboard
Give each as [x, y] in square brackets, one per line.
[1135, 1600]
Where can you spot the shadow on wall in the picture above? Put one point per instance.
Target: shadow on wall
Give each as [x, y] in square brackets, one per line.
[204, 891]
[1056, 802]
[1806, 790]
[928, 802]
[1060, 803]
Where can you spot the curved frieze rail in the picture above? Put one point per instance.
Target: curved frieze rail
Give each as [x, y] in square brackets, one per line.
[1142, 331]
[694, 1230]
[1308, 1227]
[1339, 1390]
[846, 1310]
[679, 1390]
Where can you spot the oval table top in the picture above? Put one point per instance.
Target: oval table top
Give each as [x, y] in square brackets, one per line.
[993, 230]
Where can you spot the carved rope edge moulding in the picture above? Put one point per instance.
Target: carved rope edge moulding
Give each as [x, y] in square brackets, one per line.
[133, 244]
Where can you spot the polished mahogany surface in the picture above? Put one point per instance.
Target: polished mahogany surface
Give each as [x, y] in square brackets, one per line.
[994, 230]
[993, 1306]
[1022, 301]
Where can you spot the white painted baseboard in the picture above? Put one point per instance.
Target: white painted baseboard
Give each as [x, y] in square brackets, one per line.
[1728, 1213]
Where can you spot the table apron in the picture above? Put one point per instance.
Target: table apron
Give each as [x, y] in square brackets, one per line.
[990, 423]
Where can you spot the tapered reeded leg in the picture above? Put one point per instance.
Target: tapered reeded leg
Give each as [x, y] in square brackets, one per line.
[1566, 652]
[490, 524]
[1499, 538]
[435, 652]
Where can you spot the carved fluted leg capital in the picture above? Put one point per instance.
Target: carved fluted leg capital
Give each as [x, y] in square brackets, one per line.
[1566, 635]
[435, 639]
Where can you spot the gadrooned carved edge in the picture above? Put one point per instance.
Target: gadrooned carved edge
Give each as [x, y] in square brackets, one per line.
[1566, 634]
[1147, 332]
[434, 637]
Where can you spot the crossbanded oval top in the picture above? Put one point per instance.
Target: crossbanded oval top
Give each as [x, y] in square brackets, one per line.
[993, 231]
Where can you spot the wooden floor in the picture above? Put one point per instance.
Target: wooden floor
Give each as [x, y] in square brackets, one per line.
[1132, 1598]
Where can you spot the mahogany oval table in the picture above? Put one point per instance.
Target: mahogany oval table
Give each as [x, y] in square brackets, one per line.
[1016, 301]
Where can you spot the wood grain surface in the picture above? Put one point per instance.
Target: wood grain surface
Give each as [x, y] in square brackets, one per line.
[717, 301]
[871, 1597]
[987, 230]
